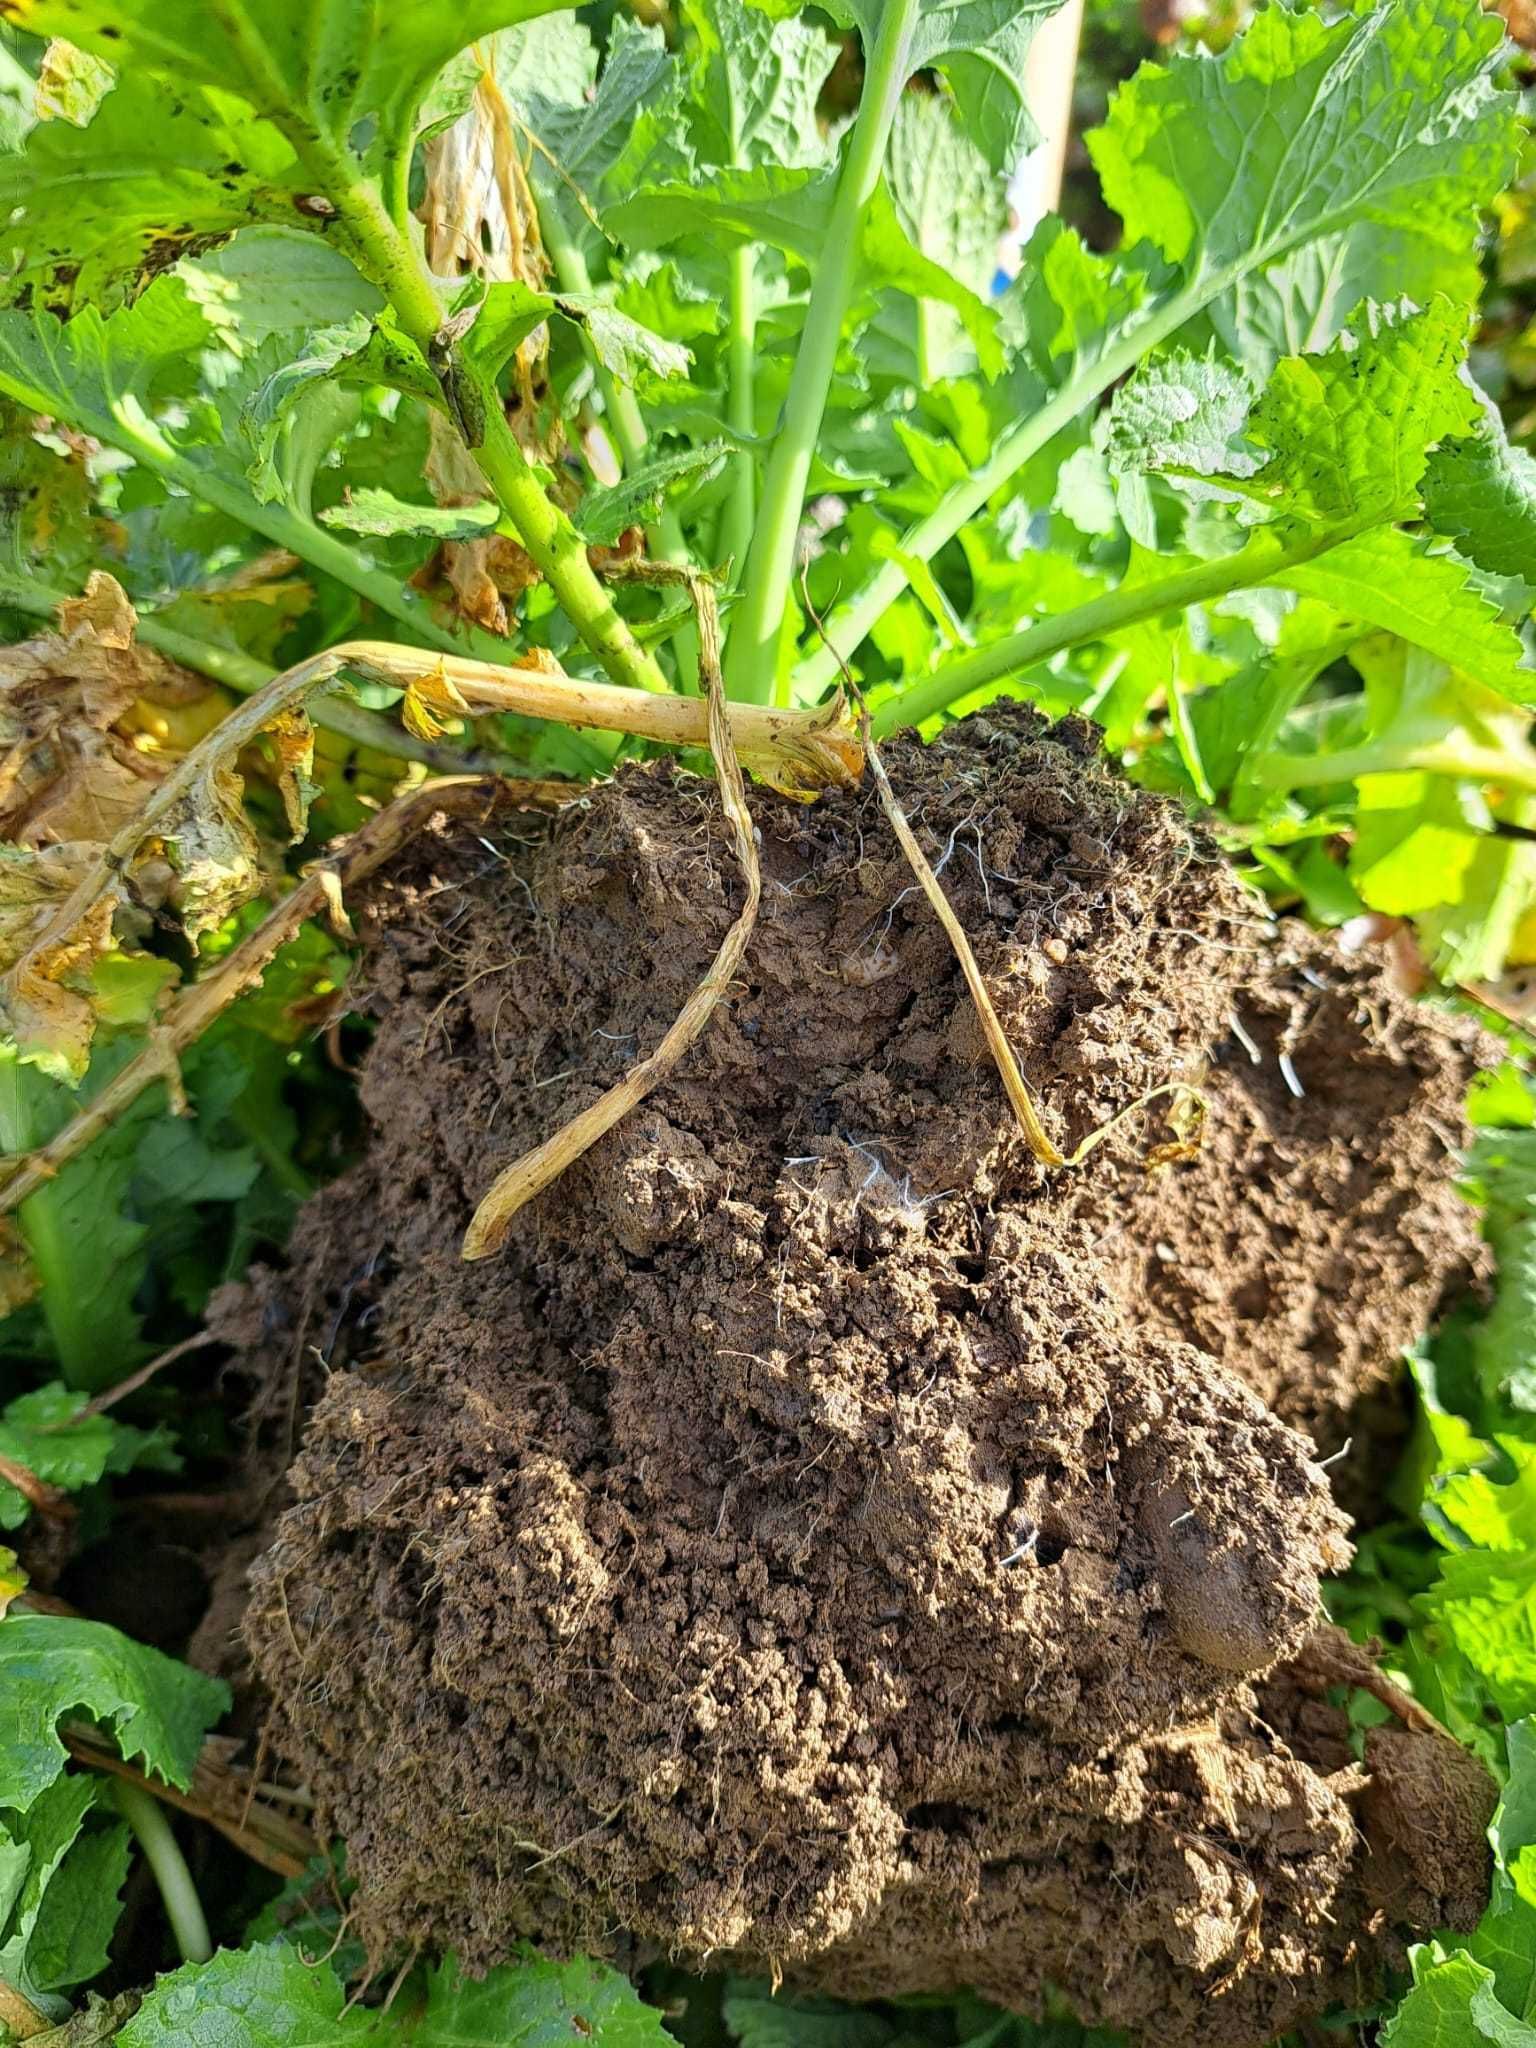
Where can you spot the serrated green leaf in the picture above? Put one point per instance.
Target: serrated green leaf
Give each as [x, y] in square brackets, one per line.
[639, 496]
[104, 374]
[1349, 431]
[1183, 411]
[620, 344]
[269, 1996]
[756, 82]
[1453, 2004]
[1366, 142]
[1387, 580]
[359, 348]
[97, 211]
[1481, 493]
[534, 2003]
[38, 1430]
[370, 510]
[323, 73]
[157, 1710]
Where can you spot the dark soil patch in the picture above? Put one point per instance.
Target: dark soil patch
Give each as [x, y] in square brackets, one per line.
[821, 1540]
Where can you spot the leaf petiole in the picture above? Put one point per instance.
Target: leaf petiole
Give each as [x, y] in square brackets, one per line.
[162, 1852]
[752, 650]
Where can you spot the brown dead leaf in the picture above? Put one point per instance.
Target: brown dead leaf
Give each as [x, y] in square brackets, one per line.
[71, 767]
[48, 1012]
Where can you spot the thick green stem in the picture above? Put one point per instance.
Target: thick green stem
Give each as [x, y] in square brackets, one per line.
[741, 408]
[1464, 762]
[394, 264]
[1261, 561]
[622, 411]
[849, 623]
[751, 657]
[183, 1907]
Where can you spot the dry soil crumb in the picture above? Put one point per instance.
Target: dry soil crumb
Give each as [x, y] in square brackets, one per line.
[821, 1538]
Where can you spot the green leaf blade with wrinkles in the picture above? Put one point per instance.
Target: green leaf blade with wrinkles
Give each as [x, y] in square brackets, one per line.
[51, 1665]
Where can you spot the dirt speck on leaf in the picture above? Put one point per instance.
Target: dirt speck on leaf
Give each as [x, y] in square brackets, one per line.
[823, 1540]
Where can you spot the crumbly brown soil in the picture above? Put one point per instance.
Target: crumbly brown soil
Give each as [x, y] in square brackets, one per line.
[821, 1540]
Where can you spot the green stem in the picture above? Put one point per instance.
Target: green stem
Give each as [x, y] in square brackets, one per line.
[183, 1907]
[394, 264]
[751, 657]
[622, 411]
[1261, 561]
[276, 523]
[851, 622]
[741, 408]
[1465, 763]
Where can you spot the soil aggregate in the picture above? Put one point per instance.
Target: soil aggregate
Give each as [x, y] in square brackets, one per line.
[823, 1541]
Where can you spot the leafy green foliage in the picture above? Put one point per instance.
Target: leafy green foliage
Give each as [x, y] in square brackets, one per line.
[158, 1711]
[353, 322]
[272, 1996]
[60, 1876]
[45, 1432]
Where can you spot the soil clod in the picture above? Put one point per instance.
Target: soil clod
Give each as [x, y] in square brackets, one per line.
[822, 1538]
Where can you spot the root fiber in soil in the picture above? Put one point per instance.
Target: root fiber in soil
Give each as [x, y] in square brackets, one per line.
[824, 1541]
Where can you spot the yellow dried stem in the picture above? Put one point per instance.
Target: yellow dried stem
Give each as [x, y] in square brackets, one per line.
[1014, 1084]
[534, 1172]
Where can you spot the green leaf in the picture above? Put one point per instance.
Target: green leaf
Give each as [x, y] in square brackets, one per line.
[620, 344]
[639, 496]
[1349, 431]
[370, 510]
[97, 211]
[360, 348]
[59, 1886]
[157, 1710]
[755, 86]
[37, 1430]
[759, 2017]
[1481, 493]
[105, 375]
[67, 1940]
[1503, 1166]
[86, 1246]
[271, 1997]
[1181, 414]
[319, 71]
[1453, 2004]
[1387, 580]
[533, 2003]
[275, 280]
[1485, 1597]
[1368, 141]
[981, 46]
